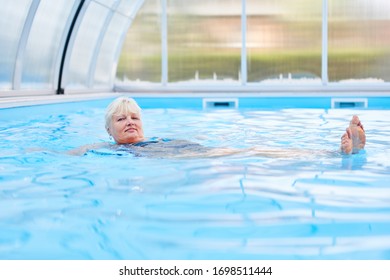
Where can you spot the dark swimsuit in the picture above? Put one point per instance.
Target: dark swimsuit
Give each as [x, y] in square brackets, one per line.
[155, 147]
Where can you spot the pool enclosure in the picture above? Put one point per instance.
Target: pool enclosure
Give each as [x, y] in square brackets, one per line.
[224, 46]
[265, 180]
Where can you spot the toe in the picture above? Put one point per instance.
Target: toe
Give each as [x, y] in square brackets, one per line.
[349, 132]
[355, 120]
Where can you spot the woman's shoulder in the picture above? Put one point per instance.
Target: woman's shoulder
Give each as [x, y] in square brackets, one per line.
[88, 147]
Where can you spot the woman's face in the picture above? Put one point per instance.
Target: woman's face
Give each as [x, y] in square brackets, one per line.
[126, 128]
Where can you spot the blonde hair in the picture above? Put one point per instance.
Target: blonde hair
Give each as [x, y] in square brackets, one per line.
[121, 105]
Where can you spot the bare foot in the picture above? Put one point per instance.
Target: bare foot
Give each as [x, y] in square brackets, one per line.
[354, 138]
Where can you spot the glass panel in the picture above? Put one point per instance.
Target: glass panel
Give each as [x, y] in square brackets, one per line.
[12, 17]
[43, 45]
[140, 59]
[284, 40]
[204, 40]
[107, 3]
[105, 68]
[84, 45]
[126, 7]
[359, 40]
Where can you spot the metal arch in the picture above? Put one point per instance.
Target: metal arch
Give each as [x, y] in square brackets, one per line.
[69, 43]
[164, 43]
[17, 77]
[324, 63]
[119, 46]
[61, 48]
[244, 66]
[92, 67]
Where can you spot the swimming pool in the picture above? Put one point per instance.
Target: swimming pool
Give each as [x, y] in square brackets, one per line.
[119, 206]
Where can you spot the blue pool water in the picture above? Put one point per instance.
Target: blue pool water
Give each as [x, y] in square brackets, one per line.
[321, 205]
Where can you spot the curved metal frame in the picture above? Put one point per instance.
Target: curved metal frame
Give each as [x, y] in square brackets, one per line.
[92, 67]
[68, 48]
[75, 19]
[324, 63]
[164, 43]
[244, 69]
[65, 35]
[121, 41]
[17, 77]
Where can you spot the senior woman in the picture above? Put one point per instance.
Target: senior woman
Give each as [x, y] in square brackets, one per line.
[124, 124]
[123, 121]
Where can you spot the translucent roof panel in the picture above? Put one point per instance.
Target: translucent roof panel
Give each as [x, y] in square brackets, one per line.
[49, 46]
[44, 46]
[111, 4]
[284, 41]
[85, 42]
[13, 15]
[359, 41]
[141, 53]
[204, 44]
[106, 61]
[129, 7]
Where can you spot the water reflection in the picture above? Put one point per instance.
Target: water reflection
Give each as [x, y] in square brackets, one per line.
[106, 206]
[354, 162]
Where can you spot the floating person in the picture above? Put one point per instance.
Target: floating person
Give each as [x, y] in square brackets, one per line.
[123, 123]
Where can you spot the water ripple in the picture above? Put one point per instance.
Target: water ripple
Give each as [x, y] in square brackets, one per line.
[315, 205]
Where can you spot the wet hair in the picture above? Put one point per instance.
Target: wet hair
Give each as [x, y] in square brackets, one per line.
[121, 105]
